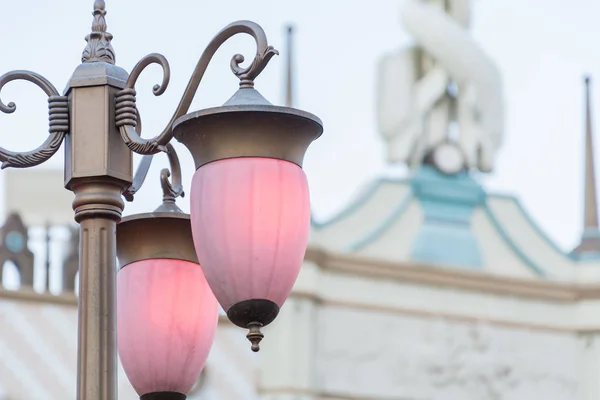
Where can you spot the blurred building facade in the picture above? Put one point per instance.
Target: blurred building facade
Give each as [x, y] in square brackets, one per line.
[423, 288]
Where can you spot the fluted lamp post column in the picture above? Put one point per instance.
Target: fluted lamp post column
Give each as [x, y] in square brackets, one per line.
[242, 244]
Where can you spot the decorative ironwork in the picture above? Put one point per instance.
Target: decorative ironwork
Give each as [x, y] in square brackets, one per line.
[127, 117]
[139, 178]
[99, 48]
[171, 188]
[58, 110]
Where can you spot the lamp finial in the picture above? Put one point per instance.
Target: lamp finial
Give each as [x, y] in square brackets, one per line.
[255, 336]
[99, 48]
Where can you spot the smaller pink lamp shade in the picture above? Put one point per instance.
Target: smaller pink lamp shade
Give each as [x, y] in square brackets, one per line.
[250, 223]
[166, 317]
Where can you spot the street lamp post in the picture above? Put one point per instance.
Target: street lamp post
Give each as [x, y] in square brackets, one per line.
[249, 222]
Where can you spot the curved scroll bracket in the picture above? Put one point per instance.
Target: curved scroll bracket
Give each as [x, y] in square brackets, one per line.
[127, 116]
[171, 188]
[58, 110]
[126, 99]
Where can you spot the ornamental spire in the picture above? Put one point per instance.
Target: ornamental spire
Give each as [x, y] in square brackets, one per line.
[590, 240]
[99, 48]
[591, 204]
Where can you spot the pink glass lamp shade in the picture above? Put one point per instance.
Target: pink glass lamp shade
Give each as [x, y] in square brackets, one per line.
[249, 202]
[250, 222]
[167, 317]
[166, 312]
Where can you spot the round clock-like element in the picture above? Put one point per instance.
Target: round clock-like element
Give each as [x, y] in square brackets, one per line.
[448, 158]
[15, 242]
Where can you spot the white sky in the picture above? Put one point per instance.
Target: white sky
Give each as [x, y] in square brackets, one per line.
[543, 47]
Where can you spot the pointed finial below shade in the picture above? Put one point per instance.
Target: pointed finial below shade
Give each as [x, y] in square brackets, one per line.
[99, 48]
[289, 79]
[590, 240]
[255, 336]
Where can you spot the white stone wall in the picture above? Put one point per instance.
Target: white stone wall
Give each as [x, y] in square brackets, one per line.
[390, 356]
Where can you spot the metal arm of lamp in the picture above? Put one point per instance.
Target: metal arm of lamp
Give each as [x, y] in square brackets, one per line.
[250, 212]
[126, 110]
[171, 189]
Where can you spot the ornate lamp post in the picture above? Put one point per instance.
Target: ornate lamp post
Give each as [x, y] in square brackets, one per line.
[244, 240]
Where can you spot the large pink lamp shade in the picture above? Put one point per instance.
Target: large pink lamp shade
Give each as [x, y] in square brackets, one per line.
[167, 317]
[250, 208]
[250, 223]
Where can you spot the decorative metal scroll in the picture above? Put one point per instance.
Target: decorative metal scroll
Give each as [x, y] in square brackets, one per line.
[126, 111]
[58, 110]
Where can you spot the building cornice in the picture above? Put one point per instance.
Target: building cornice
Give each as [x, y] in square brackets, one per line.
[64, 299]
[413, 273]
[471, 280]
[29, 295]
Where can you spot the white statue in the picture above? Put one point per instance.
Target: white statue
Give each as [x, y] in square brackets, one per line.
[440, 99]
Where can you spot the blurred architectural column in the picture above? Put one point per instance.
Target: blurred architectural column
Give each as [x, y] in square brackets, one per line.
[71, 263]
[289, 356]
[40, 200]
[14, 248]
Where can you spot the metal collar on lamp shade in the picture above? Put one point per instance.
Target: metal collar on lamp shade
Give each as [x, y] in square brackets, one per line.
[247, 125]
